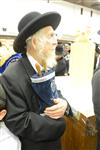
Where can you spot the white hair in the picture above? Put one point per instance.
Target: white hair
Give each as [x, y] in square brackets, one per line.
[40, 41]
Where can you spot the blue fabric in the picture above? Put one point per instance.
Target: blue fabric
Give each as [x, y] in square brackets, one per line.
[46, 90]
[9, 60]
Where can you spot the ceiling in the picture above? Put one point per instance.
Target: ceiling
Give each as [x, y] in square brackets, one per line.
[94, 4]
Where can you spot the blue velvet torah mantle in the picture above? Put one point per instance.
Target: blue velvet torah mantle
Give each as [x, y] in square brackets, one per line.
[45, 87]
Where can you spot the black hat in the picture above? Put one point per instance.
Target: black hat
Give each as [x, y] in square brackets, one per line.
[30, 24]
[59, 50]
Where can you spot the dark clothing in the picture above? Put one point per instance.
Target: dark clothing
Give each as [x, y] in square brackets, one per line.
[96, 102]
[36, 132]
[96, 63]
[13, 58]
[61, 67]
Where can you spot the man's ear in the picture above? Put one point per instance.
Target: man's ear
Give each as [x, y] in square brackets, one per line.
[33, 42]
[2, 113]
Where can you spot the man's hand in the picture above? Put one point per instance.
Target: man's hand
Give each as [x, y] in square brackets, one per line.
[57, 110]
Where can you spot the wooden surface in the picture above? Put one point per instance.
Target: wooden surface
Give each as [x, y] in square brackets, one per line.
[80, 134]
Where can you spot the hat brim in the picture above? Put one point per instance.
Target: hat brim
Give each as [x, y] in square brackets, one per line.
[47, 19]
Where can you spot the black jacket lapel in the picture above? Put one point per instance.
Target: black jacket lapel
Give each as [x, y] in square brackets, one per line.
[27, 65]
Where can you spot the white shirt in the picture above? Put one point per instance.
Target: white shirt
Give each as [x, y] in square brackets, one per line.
[33, 62]
[8, 141]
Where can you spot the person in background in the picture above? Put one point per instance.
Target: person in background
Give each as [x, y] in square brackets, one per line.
[67, 50]
[97, 57]
[96, 102]
[8, 141]
[7, 57]
[61, 68]
[96, 99]
[38, 123]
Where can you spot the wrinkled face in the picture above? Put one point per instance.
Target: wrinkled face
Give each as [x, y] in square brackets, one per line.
[46, 42]
[50, 39]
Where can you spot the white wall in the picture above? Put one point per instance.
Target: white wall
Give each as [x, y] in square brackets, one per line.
[11, 12]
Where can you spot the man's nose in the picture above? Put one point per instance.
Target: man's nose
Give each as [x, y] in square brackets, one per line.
[55, 41]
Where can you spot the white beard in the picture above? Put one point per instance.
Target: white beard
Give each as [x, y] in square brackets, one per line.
[51, 60]
[47, 57]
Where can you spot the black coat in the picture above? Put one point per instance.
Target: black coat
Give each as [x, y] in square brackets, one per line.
[96, 102]
[62, 67]
[35, 131]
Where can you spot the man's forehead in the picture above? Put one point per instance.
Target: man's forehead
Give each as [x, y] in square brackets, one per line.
[48, 29]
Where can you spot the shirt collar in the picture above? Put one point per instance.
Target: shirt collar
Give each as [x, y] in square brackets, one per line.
[33, 62]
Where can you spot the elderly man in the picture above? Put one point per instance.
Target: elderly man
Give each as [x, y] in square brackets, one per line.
[35, 107]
